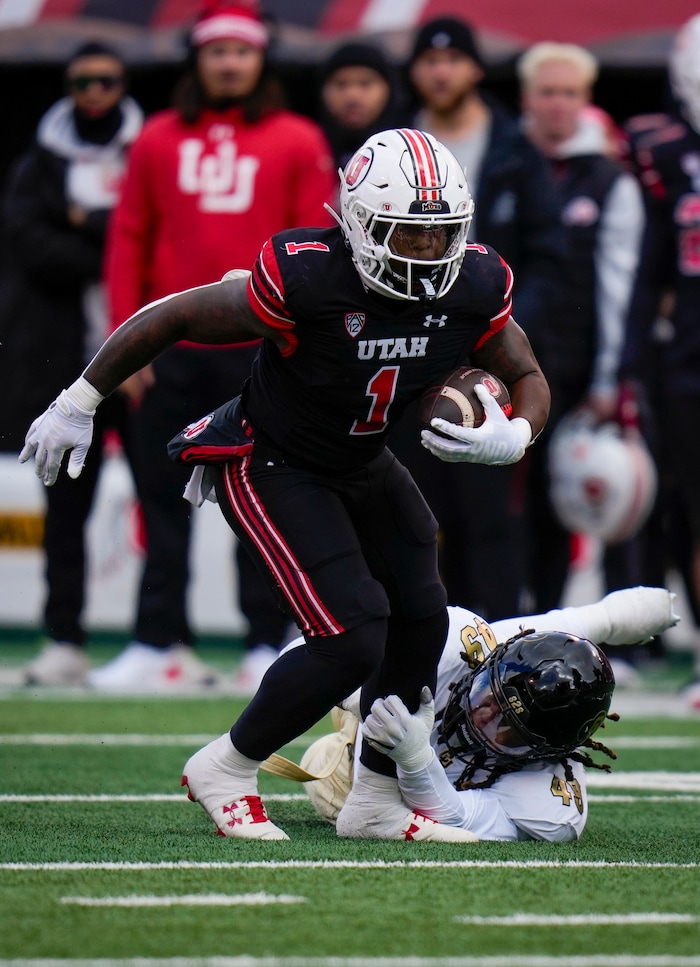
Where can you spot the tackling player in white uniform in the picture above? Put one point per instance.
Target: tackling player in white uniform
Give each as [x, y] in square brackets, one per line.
[476, 764]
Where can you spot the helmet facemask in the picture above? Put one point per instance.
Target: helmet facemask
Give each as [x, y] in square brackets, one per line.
[528, 701]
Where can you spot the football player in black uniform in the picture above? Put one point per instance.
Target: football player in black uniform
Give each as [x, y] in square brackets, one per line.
[665, 150]
[357, 321]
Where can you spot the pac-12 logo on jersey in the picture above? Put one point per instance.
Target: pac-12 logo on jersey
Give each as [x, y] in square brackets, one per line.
[354, 323]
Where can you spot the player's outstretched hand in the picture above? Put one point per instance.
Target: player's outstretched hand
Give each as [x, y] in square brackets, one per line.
[498, 441]
[65, 425]
[390, 728]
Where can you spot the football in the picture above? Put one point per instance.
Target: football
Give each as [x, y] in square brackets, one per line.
[456, 401]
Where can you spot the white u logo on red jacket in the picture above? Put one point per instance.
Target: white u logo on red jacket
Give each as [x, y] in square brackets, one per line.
[223, 181]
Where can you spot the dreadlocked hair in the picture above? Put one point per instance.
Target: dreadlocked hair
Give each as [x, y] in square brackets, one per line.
[585, 759]
[480, 763]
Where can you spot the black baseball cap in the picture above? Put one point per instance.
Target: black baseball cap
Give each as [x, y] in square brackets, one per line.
[444, 32]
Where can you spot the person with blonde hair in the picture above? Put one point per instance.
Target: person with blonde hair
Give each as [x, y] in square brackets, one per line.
[603, 214]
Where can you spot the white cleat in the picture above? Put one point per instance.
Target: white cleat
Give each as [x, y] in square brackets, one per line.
[232, 803]
[637, 614]
[59, 663]
[364, 818]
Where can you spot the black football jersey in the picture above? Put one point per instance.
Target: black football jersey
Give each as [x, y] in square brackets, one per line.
[354, 359]
[665, 152]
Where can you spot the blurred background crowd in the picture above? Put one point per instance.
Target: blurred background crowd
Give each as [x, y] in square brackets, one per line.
[151, 147]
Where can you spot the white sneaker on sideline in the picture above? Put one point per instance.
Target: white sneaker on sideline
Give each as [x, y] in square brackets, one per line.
[59, 663]
[691, 695]
[626, 675]
[637, 614]
[374, 809]
[143, 669]
[233, 803]
[251, 672]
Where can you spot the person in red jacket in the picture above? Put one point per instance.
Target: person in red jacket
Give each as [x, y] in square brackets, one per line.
[208, 181]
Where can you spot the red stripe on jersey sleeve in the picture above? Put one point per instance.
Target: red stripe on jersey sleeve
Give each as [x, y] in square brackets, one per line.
[266, 296]
[501, 318]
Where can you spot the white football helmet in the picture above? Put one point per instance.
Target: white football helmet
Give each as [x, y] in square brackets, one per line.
[603, 480]
[684, 70]
[400, 187]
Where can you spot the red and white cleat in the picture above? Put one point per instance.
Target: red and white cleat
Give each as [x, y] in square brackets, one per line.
[377, 811]
[237, 812]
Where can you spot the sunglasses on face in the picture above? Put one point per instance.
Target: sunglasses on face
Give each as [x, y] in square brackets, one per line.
[107, 81]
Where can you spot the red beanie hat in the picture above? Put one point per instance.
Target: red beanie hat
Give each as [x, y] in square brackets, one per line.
[230, 23]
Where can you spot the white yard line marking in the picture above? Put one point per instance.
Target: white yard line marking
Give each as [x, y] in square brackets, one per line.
[187, 900]
[612, 797]
[578, 920]
[178, 797]
[131, 867]
[656, 742]
[145, 739]
[667, 781]
[593, 960]
[119, 738]
[129, 797]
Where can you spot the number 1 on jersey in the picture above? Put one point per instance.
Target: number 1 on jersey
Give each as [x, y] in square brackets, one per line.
[381, 389]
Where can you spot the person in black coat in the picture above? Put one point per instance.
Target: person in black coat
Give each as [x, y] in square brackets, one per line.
[55, 209]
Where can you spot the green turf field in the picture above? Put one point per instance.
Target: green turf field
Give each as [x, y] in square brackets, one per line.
[103, 859]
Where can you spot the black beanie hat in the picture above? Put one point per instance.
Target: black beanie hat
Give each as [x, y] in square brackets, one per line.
[444, 32]
[357, 55]
[94, 48]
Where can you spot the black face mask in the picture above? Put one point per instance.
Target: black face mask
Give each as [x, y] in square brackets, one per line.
[98, 130]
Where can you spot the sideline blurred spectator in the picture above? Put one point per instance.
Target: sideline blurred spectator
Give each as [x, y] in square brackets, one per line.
[53, 318]
[603, 213]
[358, 98]
[517, 212]
[662, 346]
[208, 181]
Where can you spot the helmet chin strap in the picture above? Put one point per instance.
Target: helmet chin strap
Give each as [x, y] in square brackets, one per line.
[430, 295]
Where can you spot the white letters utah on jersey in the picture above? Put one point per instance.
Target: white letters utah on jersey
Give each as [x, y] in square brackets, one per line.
[398, 348]
[223, 181]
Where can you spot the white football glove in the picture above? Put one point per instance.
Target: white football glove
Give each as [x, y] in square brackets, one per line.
[66, 425]
[390, 728]
[498, 441]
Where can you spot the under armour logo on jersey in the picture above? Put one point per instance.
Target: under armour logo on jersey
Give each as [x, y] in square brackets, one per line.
[432, 321]
[354, 323]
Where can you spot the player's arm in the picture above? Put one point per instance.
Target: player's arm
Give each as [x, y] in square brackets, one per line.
[499, 441]
[212, 314]
[391, 729]
[509, 355]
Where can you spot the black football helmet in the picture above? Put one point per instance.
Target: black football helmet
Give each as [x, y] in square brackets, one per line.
[537, 696]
